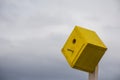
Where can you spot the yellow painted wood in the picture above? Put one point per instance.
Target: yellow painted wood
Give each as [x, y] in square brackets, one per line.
[83, 49]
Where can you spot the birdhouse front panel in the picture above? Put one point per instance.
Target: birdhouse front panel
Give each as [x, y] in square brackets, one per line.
[83, 49]
[73, 45]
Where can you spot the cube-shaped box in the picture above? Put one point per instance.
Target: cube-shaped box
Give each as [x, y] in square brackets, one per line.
[83, 49]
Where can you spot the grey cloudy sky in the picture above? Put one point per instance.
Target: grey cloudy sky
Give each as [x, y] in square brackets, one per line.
[32, 33]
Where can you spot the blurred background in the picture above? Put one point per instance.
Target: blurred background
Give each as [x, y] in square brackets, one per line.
[32, 33]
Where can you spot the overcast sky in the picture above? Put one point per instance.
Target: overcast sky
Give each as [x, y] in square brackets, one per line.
[32, 33]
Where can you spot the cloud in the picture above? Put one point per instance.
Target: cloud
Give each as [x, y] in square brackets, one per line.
[31, 61]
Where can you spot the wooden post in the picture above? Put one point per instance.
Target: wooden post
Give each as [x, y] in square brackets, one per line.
[94, 75]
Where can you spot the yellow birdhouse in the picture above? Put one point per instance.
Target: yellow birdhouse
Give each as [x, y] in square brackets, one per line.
[83, 49]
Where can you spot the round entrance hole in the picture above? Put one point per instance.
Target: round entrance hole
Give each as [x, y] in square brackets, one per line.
[74, 41]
